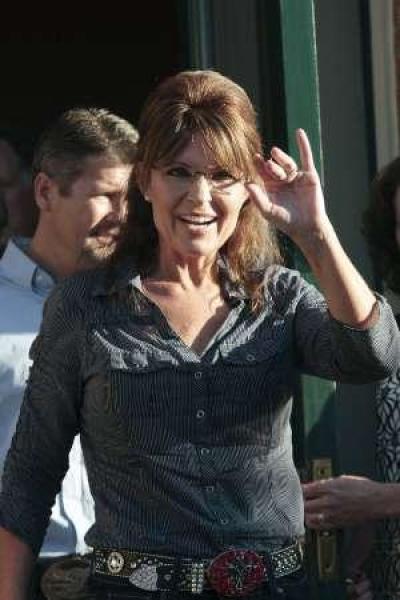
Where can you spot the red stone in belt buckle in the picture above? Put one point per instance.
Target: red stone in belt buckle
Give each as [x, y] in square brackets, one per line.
[236, 572]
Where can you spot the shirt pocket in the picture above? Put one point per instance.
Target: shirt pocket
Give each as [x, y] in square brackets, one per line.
[265, 345]
[252, 370]
[255, 384]
[135, 407]
[251, 353]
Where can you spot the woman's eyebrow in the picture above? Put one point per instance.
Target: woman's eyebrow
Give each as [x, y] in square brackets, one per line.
[182, 163]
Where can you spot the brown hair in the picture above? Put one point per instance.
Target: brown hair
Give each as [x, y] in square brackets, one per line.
[379, 225]
[80, 133]
[209, 104]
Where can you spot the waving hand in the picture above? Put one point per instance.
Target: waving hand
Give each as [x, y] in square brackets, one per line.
[292, 198]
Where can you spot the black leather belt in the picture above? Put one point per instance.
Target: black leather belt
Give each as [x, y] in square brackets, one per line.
[236, 572]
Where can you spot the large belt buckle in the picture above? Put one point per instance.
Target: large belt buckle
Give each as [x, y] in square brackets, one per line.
[236, 572]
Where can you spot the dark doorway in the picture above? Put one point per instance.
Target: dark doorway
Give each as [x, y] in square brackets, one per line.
[106, 57]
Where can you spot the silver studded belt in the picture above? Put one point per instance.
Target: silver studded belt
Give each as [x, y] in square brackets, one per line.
[236, 572]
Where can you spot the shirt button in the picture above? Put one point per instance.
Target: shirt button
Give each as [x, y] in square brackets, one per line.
[224, 521]
[198, 375]
[210, 489]
[204, 451]
[250, 357]
[200, 414]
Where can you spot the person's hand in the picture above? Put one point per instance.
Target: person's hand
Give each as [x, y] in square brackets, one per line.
[359, 588]
[357, 554]
[9, 165]
[340, 501]
[292, 199]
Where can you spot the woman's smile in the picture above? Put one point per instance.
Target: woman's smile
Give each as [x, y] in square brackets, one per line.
[197, 221]
[193, 212]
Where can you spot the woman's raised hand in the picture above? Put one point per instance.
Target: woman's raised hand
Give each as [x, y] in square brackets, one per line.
[292, 199]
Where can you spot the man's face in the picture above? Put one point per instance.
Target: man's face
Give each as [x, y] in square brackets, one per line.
[86, 221]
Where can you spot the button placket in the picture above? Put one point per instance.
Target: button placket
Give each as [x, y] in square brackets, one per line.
[200, 414]
[200, 394]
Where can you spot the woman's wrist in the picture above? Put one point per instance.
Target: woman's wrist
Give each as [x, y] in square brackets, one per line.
[316, 243]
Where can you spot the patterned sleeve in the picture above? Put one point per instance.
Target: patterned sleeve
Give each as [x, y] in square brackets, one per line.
[328, 348]
[38, 457]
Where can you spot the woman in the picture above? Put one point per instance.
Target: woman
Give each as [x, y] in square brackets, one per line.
[177, 364]
[384, 211]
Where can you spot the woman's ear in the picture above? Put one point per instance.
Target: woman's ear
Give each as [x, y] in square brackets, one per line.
[141, 181]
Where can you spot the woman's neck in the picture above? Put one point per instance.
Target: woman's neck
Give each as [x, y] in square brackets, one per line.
[187, 274]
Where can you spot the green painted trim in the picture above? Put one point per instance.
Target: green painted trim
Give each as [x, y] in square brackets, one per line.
[300, 73]
[299, 59]
[314, 419]
[200, 31]
[299, 54]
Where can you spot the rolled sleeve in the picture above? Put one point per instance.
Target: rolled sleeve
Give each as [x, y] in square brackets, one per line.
[331, 349]
[49, 420]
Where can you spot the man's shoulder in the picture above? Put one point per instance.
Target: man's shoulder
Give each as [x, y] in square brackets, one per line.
[80, 286]
[18, 270]
[79, 290]
[20, 317]
[12, 293]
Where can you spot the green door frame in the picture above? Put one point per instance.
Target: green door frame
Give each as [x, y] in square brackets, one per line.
[300, 75]
[316, 415]
[200, 33]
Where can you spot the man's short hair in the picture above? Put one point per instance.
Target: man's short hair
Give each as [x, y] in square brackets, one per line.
[78, 134]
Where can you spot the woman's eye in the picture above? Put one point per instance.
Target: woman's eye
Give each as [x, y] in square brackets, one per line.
[222, 175]
[179, 172]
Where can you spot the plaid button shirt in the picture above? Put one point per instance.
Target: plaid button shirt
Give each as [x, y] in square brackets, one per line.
[186, 454]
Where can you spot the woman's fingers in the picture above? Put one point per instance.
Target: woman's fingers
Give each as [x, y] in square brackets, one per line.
[281, 167]
[274, 171]
[260, 198]
[269, 209]
[270, 170]
[286, 163]
[306, 156]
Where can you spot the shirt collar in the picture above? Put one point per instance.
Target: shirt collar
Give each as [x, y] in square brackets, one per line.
[16, 266]
[119, 277]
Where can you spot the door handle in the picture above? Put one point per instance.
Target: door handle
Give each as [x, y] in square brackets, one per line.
[326, 539]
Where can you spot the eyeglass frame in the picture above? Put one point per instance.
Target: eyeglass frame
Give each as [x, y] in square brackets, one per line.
[221, 186]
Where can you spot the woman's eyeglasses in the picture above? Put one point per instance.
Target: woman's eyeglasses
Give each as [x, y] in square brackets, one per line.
[218, 179]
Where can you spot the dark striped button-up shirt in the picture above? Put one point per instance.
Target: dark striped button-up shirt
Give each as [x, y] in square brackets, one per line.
[186, 454]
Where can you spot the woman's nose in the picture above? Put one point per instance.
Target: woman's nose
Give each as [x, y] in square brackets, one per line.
[200, 190]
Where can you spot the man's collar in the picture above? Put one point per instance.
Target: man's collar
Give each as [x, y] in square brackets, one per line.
[16, 266]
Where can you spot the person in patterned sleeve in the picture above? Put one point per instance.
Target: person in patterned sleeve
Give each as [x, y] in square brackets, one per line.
[356, 501]
[177, 364]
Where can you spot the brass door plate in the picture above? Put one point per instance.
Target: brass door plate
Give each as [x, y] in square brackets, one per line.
[326, 540]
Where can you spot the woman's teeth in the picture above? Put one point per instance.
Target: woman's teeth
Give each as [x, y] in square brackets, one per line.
[198, 220]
